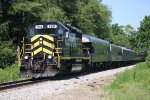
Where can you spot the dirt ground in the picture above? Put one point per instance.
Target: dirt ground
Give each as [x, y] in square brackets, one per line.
[94, 90]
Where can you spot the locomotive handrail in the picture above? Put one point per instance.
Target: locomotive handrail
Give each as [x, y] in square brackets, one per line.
[29, 44]
[28, 49]
[57, 47]
[57, 50]
[22, 49]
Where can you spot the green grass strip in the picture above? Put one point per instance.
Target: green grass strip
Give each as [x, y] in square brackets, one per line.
[132, 84]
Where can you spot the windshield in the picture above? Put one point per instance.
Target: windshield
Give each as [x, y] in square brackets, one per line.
[33, 31]
[42, 31]
[45, 31]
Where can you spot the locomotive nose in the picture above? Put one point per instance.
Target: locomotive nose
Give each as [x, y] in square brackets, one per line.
[42, 44]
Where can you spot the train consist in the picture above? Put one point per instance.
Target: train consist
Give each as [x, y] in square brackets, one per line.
[52, 48]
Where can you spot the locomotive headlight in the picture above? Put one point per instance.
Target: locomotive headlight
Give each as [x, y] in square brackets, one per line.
[41, 39]
[50, 56]
[26, 57]
[40, 42]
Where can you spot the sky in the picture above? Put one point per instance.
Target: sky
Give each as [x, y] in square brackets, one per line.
[128, 11]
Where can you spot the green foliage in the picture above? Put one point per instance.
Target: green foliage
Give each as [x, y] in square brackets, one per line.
[22, 15]
[4, 8]
[115, 29]
[7, 53]
[128, 83]
[11, 73]
[148, 58]
[89, 15]
[4, 36]
[94, 18]
[120, 35]
[128, 29]
[54, 13]
[121, 40]
[142, 37]
[144, 32]
[133, 39]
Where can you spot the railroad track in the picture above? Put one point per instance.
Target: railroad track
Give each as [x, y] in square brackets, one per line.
[20, 83]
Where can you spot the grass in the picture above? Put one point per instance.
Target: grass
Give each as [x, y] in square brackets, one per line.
[10, 73]
[132, 84]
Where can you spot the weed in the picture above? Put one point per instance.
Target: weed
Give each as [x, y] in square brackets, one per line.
[10, 73]
[132, 84]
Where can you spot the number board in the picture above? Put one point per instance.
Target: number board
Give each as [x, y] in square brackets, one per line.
[39, 27]
[51, 26]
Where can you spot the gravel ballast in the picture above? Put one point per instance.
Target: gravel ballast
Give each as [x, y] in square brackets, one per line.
[49, 89]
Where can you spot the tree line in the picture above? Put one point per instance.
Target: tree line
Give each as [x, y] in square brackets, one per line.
[91, 16]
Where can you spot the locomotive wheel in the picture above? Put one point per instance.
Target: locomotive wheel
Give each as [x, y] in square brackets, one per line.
[66, 67]
[84, 67]
[91, 67]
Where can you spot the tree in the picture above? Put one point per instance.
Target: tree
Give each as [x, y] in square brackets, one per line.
[143, 34]
[7, 53]
[128, 29]
[94, 18]
[4, 8]
[115, 29]
[91, 16]
[122, 40]
[119, 36]
[52, 12]
[133, 39]
[22, 14]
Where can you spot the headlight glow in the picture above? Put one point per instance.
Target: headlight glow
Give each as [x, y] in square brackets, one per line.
[41, 39]
[26, 57]
[40, 42]
[49, 56]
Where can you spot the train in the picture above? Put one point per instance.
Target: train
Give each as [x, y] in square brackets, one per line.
[54, 48]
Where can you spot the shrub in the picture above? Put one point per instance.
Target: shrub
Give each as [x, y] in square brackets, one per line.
[7, 54]
[10, 73]
[148, 58]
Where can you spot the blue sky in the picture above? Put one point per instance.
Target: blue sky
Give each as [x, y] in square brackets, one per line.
[128, 11]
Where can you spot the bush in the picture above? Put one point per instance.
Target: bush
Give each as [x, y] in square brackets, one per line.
[7, 54]
[10, 73]
[148, 58]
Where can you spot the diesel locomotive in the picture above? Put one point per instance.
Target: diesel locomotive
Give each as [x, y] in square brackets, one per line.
[52, 48]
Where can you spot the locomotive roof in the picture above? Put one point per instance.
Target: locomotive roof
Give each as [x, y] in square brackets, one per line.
[88, 38]
[116, 46]
[128, 49]
[85, 38]
[72, 28]
[59, 24]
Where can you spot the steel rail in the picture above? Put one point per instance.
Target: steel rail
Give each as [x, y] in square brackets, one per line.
[15, 84]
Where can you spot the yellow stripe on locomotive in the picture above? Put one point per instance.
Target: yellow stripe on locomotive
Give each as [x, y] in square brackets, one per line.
[42, 43]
